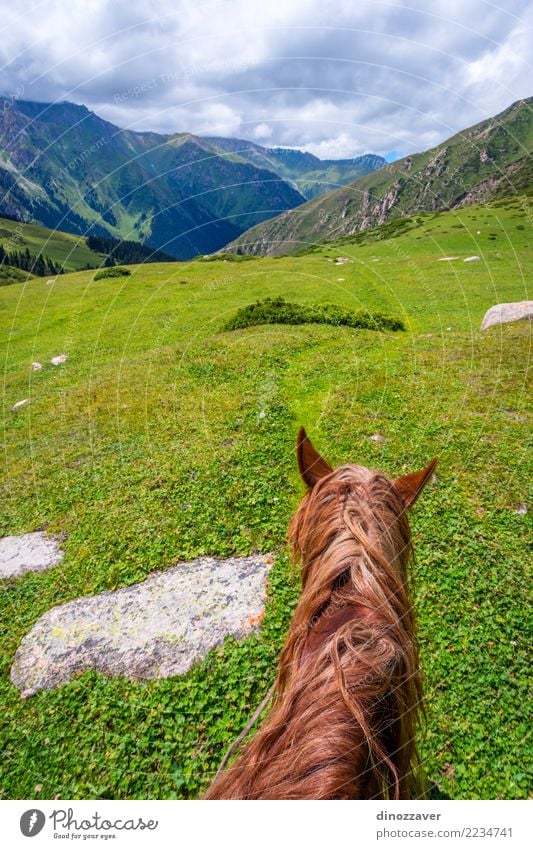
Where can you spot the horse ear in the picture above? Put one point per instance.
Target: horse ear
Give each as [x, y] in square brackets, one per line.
[410, 486]
[311, 465]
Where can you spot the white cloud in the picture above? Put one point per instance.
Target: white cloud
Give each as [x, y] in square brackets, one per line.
[336, 147]
[504, 65]
[337, 79]
[262, 132]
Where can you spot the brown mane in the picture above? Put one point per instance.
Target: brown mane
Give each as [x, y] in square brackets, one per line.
[348, 691]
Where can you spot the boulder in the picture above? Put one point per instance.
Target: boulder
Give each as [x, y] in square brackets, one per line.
[27, 553]
[154, 629]
[503, 313]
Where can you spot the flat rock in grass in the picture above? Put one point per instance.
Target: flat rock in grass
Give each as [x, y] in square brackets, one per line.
[153, 629]
[504, 313]
[27, 553]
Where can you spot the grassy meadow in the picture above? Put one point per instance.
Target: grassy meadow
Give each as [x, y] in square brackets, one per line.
[164, 437]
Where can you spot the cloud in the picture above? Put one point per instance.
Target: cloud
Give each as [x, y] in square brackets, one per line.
[335, 79]
[262, 132]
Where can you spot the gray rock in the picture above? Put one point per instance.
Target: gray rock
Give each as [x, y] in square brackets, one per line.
[154, 629]
[27, 553]
[503, 313]
[20, 404]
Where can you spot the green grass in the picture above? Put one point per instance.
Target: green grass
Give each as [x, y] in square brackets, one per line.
[69, 250]
[163, 437]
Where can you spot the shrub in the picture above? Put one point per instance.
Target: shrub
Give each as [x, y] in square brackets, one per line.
[280, 311]
[226, 257]
[114, 271]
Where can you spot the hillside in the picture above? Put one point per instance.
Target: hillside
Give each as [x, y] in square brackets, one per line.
[70, 251]
[164, 437]
[308, 174]
[65, 250]
[63, 167]
[489, 160]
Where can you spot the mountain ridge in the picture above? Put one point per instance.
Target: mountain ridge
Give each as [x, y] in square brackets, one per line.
[486, 160]
[308, 174]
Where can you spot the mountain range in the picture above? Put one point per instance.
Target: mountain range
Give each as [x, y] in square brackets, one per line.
[308, 174]
[65, 168]
[489, 159]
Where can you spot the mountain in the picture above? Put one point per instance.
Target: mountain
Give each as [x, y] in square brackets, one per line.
[489, 159]
[65, 168]
[308, 174]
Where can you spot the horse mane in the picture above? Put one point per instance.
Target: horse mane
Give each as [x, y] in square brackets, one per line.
[348, 691]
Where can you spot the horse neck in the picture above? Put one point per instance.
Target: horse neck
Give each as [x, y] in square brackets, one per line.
[344, 716]
[351, 577]
[342, 725]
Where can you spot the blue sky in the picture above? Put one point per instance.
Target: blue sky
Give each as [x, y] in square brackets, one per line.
[337, 79]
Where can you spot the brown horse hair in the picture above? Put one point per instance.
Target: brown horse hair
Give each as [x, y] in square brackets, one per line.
[348, 693]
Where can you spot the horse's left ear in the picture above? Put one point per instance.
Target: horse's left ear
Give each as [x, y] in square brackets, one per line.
[311, 465]
[410, 486]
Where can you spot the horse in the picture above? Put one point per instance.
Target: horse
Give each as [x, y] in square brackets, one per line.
[347, 699]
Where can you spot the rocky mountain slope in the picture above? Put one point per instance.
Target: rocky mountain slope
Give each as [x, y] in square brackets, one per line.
[487, 160]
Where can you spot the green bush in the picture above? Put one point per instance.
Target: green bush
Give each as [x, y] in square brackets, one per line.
[226, 257]
[114, 271]
[280, 311]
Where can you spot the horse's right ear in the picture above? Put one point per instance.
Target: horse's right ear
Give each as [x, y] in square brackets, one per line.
[311, 465]
[410, 486]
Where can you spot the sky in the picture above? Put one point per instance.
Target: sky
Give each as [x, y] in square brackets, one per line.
[337, 79]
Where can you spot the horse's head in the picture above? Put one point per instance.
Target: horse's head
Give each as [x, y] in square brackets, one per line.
[313, 468]
[350, 502]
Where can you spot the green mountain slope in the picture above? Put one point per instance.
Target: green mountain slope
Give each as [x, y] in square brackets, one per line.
[71, 251]
[490, 159]
[65, 168]
[310, 175]
[66, 251]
